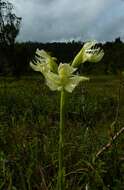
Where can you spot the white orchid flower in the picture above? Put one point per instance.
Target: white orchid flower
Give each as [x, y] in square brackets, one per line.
[64, 79]
[88, 53]
[44, 62]
[60, 79]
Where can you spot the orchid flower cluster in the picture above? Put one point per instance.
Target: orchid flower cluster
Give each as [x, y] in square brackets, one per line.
[62, 77]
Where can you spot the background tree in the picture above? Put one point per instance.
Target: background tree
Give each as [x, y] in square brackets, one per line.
[9, 29]
[9, 23]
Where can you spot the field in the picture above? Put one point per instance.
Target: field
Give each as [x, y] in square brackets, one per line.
[29, 124]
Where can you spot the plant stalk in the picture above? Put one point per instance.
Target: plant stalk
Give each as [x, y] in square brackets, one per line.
[61, 173]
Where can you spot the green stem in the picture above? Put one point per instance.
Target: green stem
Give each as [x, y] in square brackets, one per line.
[61, 143]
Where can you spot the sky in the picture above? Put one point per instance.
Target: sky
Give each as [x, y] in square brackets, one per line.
[67, 20]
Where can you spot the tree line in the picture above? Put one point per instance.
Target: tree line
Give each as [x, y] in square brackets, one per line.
[15, 60]
[15, 56]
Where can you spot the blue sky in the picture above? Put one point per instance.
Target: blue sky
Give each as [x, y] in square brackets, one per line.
[66, 20]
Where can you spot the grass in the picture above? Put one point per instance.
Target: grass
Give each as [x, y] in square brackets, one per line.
[29, 123]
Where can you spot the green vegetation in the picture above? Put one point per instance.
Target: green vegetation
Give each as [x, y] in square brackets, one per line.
[29, 128]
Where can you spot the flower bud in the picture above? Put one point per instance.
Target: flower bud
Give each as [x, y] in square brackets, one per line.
[88, 53]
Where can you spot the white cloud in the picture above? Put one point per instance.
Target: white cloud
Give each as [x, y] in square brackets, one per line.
[48, 20]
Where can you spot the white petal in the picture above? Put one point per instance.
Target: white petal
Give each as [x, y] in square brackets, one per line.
[73, 82]
[35, 67]
[46, 58]
[42, 53]
[89, 45]
[41, 67]
[53, 81]
[65, 70]
[96, 56]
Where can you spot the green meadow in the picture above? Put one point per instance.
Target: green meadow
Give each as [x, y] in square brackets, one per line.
[29, 132]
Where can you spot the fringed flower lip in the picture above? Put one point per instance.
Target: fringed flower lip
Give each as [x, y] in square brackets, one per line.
[89, 52]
